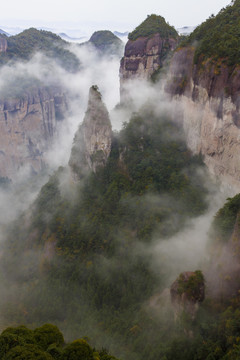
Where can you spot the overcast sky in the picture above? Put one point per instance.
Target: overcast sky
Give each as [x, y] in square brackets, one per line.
[119, 15]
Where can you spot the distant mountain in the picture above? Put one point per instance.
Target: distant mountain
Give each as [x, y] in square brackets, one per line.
[25, 44]
[121, 34]
[72, 39]
[106, 42]
[186, 30]
[4, 32]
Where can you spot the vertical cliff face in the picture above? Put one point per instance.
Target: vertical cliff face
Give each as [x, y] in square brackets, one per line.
[27, 126]
[144, 56]
[3, 44]
[92, 143]
[205, 77]
[147, 48]
[210, 97]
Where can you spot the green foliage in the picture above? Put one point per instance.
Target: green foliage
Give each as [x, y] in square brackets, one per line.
[106, 41]
[219, 36]
[27, 352]
[149, 186]
[24, 45]
[77, 350]
[45, 343]
[152, 25]
[48, 334]
[193, 286]
[225, 219]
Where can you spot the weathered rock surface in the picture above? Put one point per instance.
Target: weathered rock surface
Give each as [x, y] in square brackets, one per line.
[210, 97]
[92, 143]
[3, 44]
[187, 292]
[144, 56]
[27, 126]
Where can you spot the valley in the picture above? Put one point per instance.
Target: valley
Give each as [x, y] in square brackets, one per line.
[119, 193]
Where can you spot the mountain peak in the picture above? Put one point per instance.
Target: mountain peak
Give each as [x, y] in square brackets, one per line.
[153, 24]
[92, 142]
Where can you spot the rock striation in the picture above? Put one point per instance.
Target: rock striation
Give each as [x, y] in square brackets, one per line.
[92, 142]
[27, 127]
[3, 44]
[147, 48]
[209, 94]
[144, 56]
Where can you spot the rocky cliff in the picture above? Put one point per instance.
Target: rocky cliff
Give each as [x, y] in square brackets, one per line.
[27, 126]
[146, 49]
[3, 44]
[205, 77]
[209, 94]
[92, 142]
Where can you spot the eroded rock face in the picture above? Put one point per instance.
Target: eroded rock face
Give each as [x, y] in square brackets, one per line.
[143, 57]
[27, 126]
[187, 292]
[3, 44]
[210, 98]
[92, 143]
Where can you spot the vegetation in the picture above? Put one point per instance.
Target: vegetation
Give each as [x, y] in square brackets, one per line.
[45, 343]
[219, 36]
[106, 41]
[193, 286]
[80, 248]
[225, 219]
[152, 25]
[24, 45]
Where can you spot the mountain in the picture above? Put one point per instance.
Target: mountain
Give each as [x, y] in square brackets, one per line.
[24, 45]
[204, 75]
[204, 72]
[121, 34]
[92, 142]
[147, 48]
[105, 42]
[95, 251]
[31, 110]
[81, 240]
[4, 32]
[186, 30]
[72, 39]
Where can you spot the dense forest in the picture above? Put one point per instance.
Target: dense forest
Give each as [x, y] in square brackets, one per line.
[45, 343]
[79, 247]
[152, 25]
[218, 37]
[80, 257]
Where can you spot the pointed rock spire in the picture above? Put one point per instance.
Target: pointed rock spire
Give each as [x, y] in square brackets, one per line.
[92, 142]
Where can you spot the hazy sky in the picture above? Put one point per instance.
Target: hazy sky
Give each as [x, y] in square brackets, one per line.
[111, 14]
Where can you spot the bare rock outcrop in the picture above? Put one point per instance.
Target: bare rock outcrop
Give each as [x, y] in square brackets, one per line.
[27, 126]
[3, 44]
[187, 292]
[143, 56]
[92, 142]
[209, 94]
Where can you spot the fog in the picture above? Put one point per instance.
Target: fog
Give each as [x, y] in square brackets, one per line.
[186, 250]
